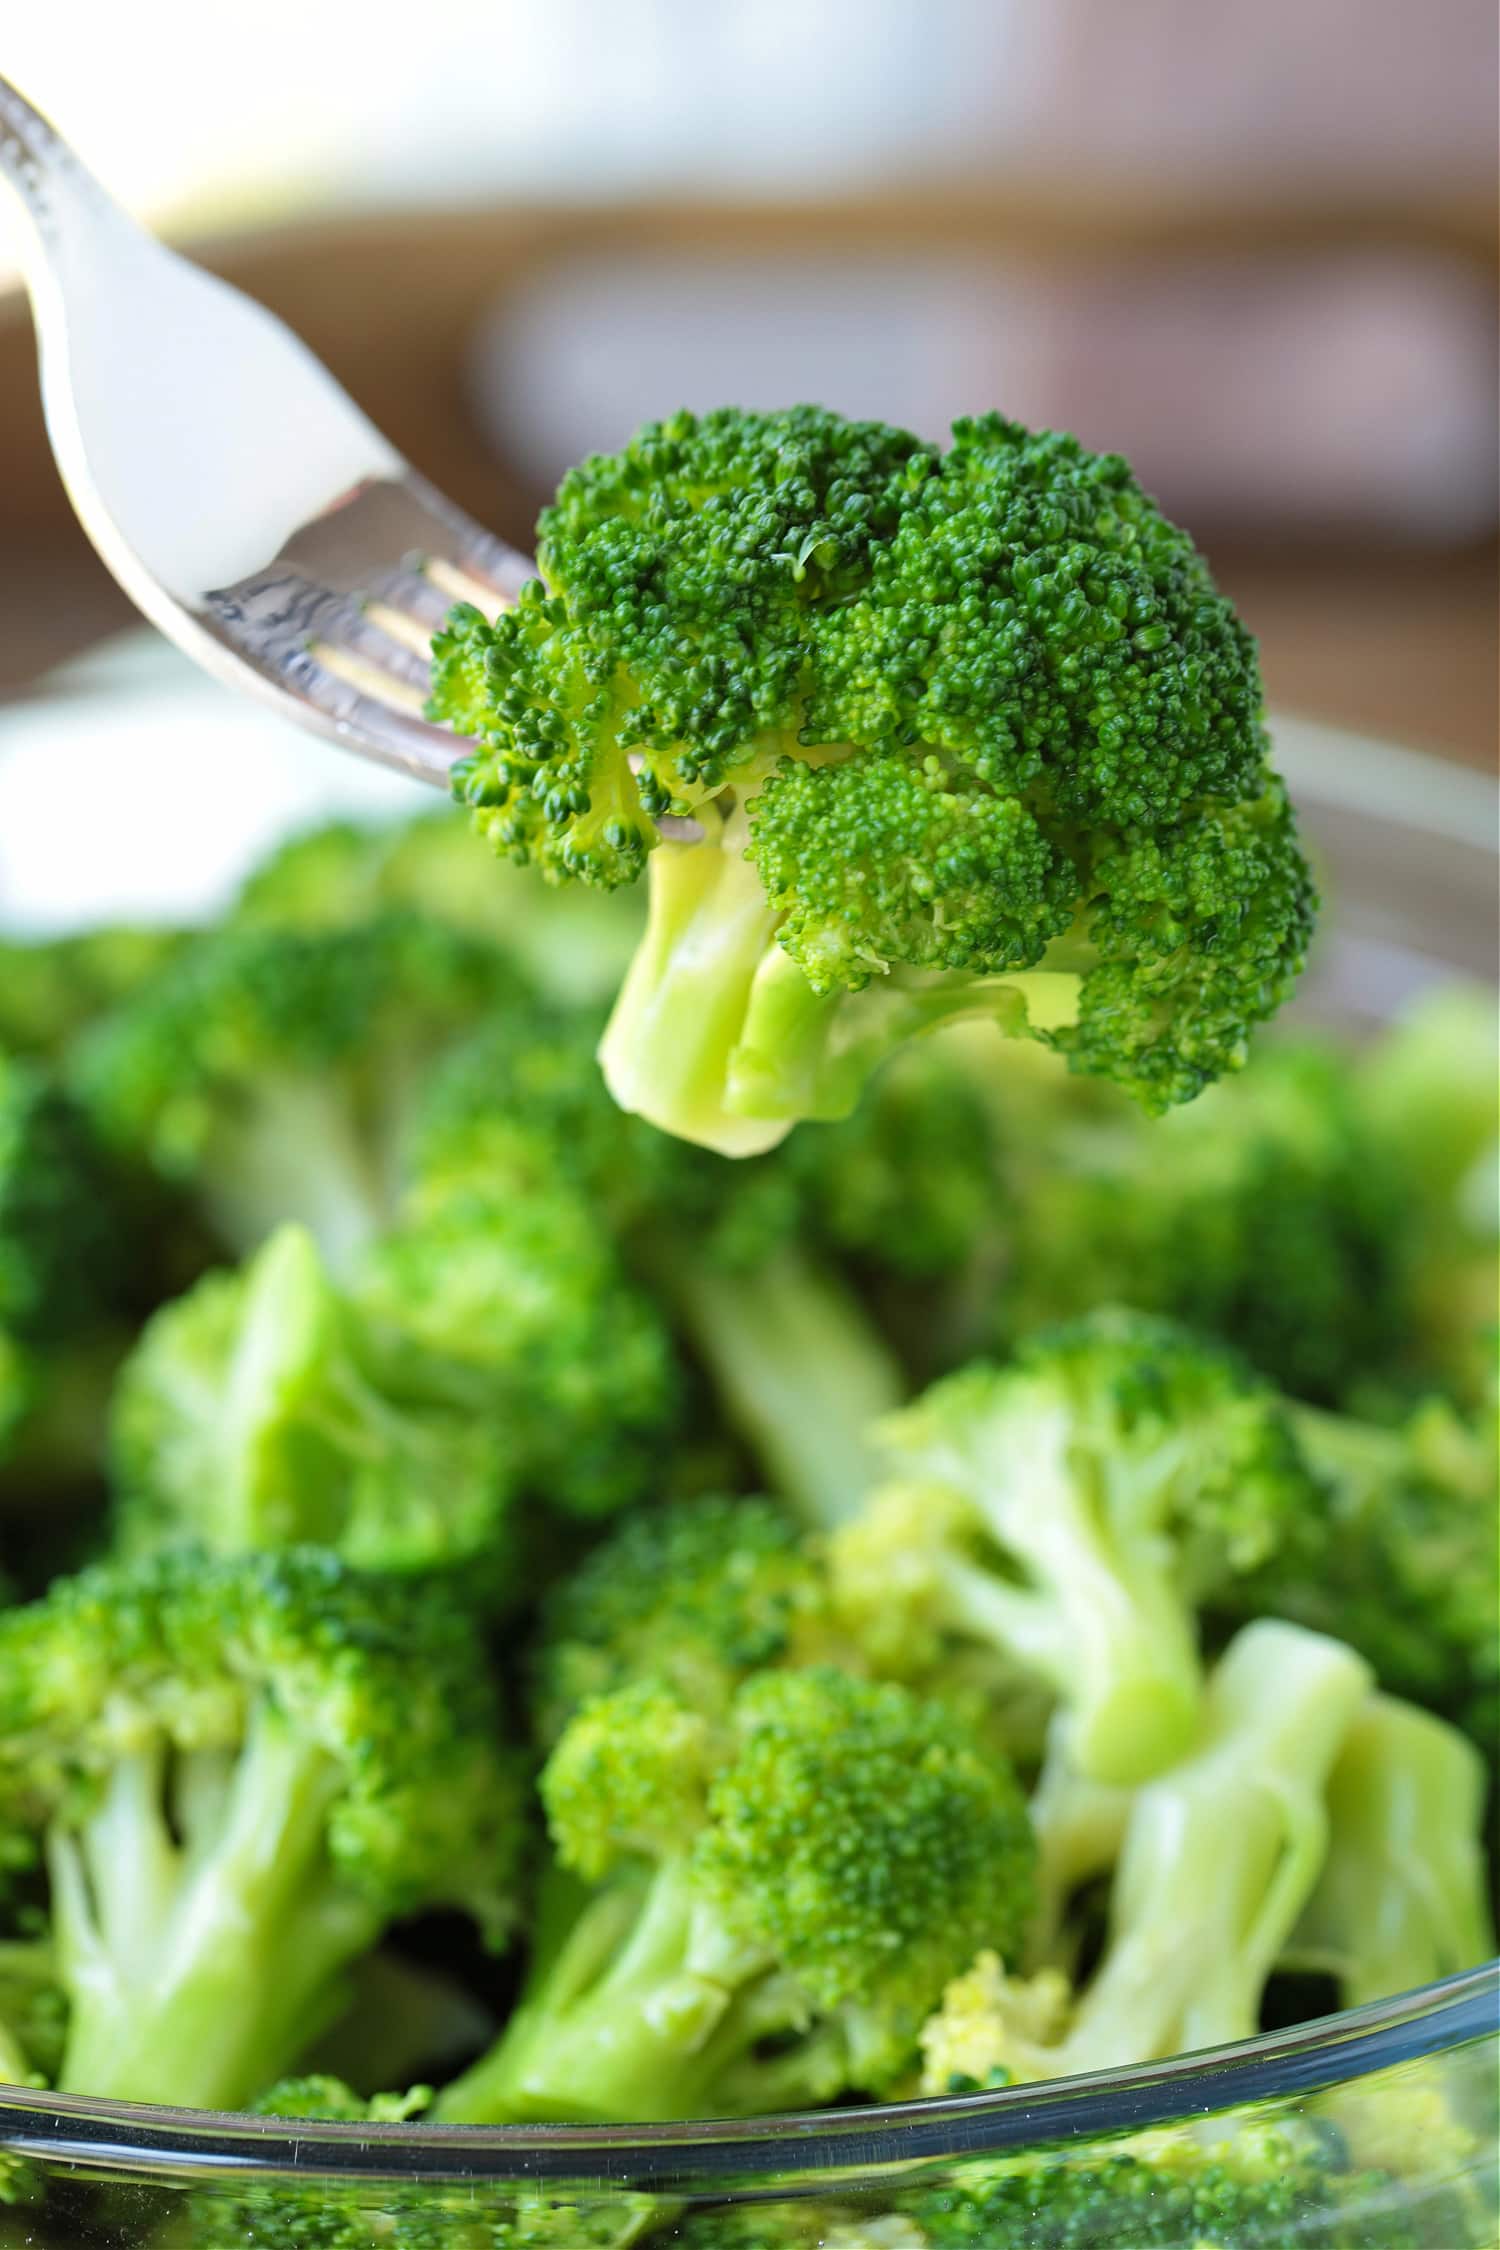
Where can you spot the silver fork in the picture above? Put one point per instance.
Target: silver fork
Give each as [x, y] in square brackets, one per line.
[232, 487]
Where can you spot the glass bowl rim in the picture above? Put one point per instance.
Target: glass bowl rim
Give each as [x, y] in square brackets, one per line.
[1327, 2051]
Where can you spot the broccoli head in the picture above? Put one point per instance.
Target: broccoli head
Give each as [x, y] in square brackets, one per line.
[752, 1912]
[698, 1595]
[273, 1072]
[1397, 1555]
[514, 1308]
[242, 1771]
[255, 1412]
[958, 733]
[67, 1234]
[1071, 1511]
[51, 989]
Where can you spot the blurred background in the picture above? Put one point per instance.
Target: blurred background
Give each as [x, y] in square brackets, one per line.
[1251, 247]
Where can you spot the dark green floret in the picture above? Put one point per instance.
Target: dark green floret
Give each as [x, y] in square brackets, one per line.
[963, 733]
[273, 1072]
[242, 1772]
[1071, 1511]
[753, 1912]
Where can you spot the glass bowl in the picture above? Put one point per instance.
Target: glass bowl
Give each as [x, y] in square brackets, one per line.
[1400, 2096]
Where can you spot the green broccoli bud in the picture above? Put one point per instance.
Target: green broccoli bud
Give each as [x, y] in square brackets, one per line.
[697, 1595]
[751, 1914]
[1402, 1897]
[1397, 1556]
[242, 1771]
[1072, 1511]
[573, 942]
[256, 1413]
[514, 1309]
[274, 1072]
[963, 733]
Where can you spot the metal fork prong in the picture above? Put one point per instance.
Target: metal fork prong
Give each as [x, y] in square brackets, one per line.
[408, 592]
[463, 586]
[395, 629]
[382, 717]
[382, 640]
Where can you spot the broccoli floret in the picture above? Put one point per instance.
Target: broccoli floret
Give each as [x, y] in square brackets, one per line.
[242, 1771]
[1250, 2186]
[333, 2213]
[67, 1242]
[1264, 1214]
[274, 1071]
[513, 1308]
[698, 1595]
[574, 942]
[755, 1913]
[258, 1412]
[1072, 1510]
[52, 988]
[1219, 1858]
[1397, 1556]
[1402, 1897]
[800, 1369]
[962, 733]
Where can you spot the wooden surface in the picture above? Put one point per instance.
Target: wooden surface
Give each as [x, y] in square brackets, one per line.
[1397, 643]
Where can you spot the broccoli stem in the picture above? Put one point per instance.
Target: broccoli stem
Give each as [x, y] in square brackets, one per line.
[801, 1372]
[1080, 1826]
[1401, 1899]
[613, 2019]
[197, 1969]
[298, 1156]
[1221, 1855]
[667, 1046]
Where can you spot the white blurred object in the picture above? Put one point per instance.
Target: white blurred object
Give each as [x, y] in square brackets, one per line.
[131, 787]
[1354, 390]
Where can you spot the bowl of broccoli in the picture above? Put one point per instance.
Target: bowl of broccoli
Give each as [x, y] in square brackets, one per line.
[712, 1529]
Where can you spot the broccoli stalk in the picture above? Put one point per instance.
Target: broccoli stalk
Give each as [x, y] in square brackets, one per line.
[1220, 1854]
[1219, 1857]
[1070, 1511]
[802, 1372]
[1402, 1897]
[796, 1882]
[959, 733]
[242, 1772]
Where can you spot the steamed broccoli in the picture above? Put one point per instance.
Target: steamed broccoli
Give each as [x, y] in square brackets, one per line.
[754, 1913]
[255, 1412]
[1070, 1511]
[576, 942]
[1402, 1897]
[273, 1072]
[1397, 1556]
[31, 2011]
[513, 1309]
[305, 2212]
[697, 1595]
[1219, 1858]
[242, 1771]
[51, 989]
[962, 733]
[800, 1368]
[1230, 2185]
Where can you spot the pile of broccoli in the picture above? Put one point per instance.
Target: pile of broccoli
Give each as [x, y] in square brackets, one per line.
[587, 1623]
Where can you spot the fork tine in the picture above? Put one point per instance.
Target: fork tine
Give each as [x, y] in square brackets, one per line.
[359, 701]
[411, 594]
[383, 641]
